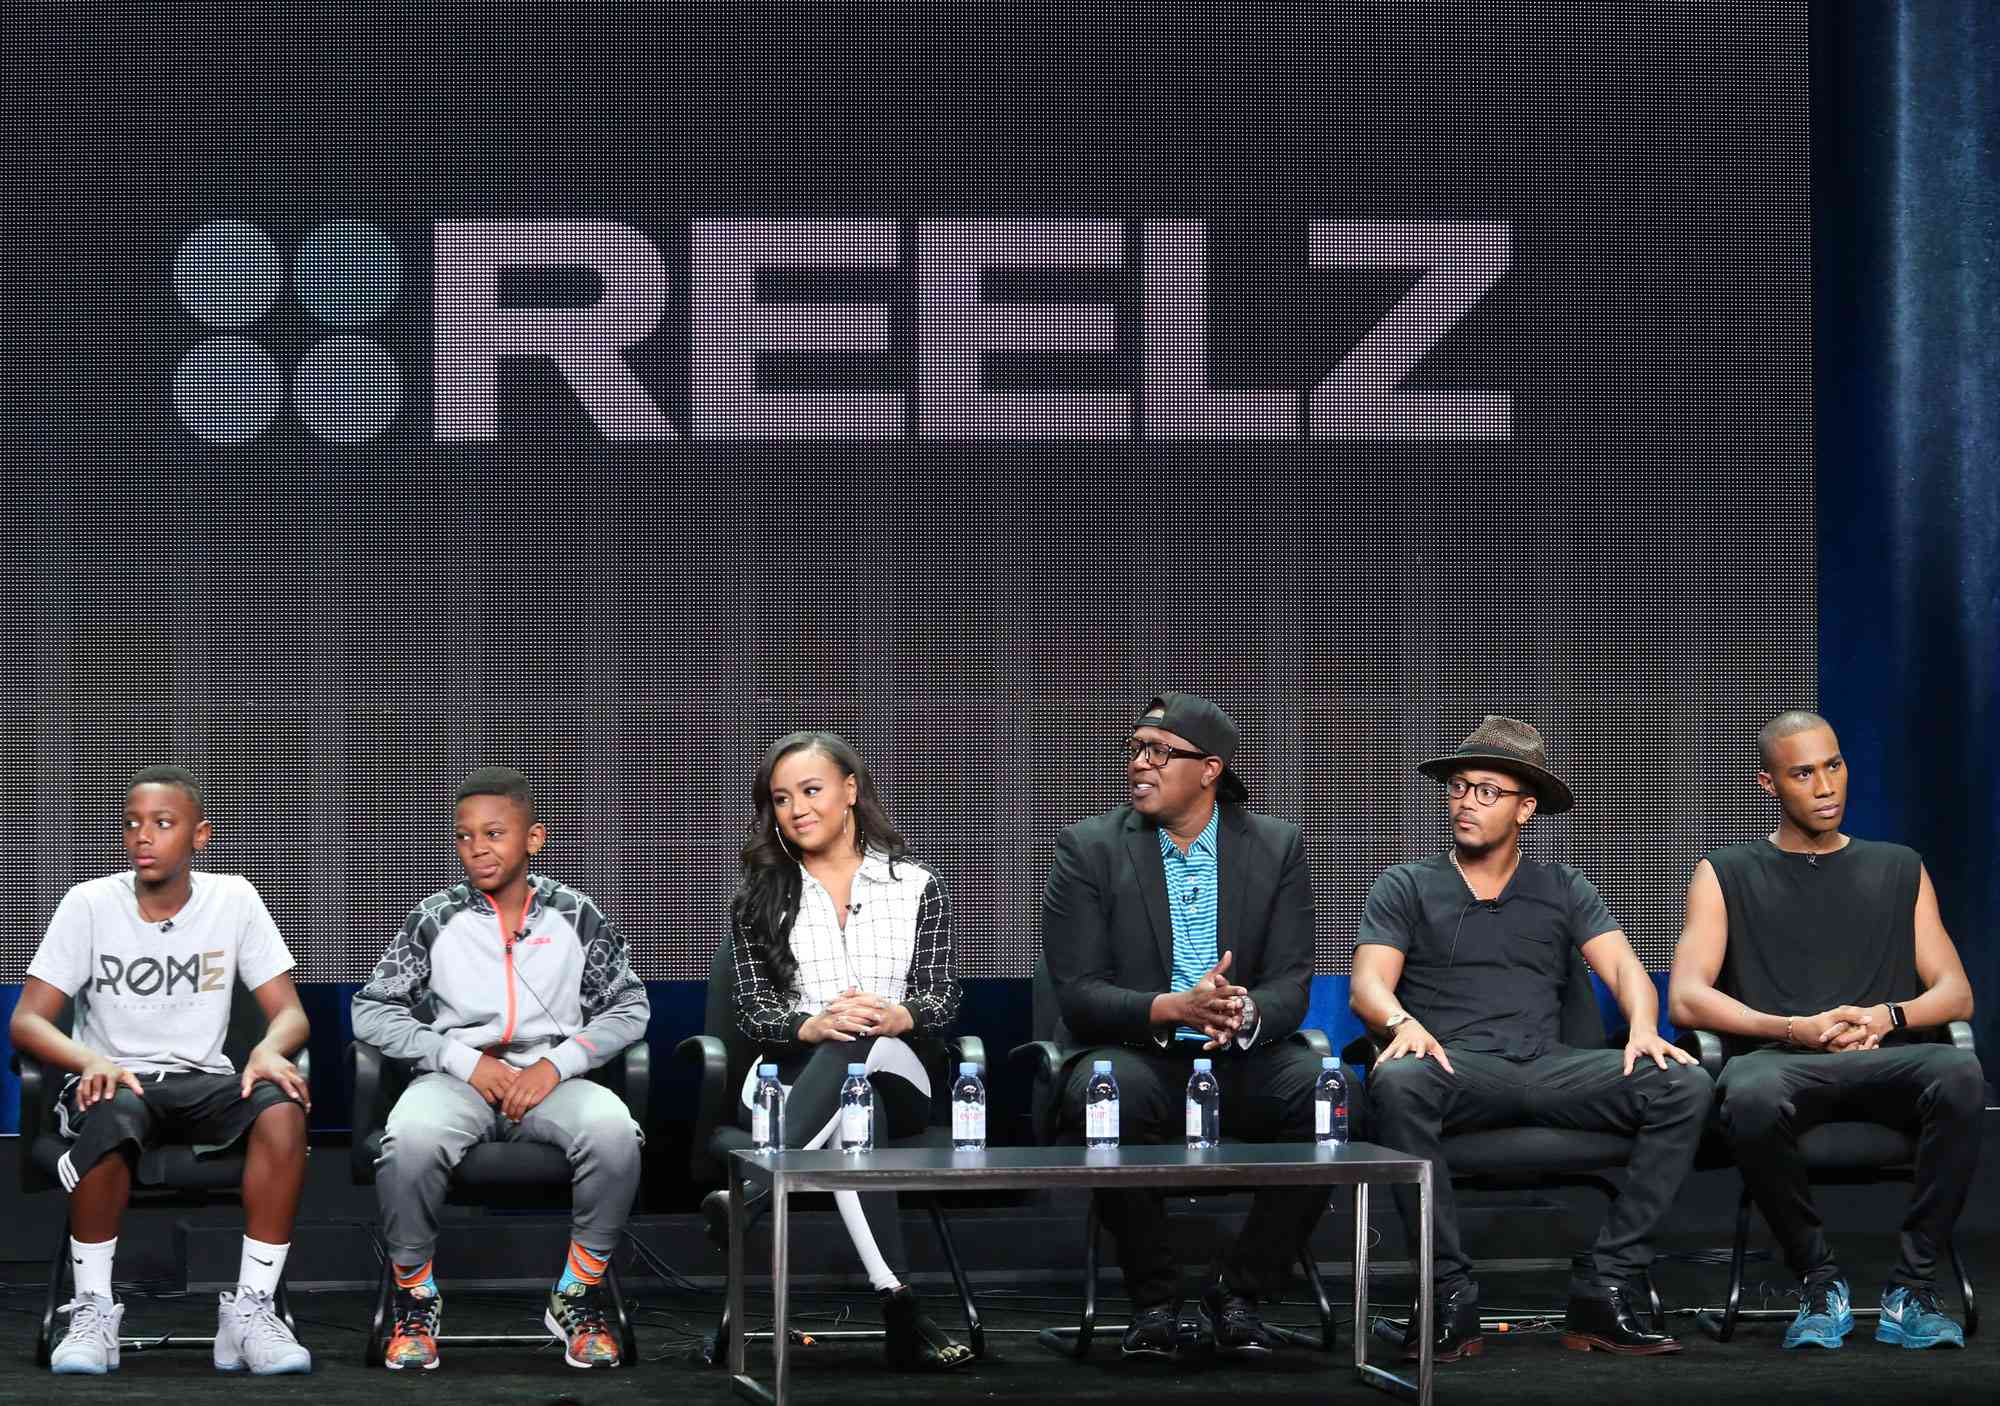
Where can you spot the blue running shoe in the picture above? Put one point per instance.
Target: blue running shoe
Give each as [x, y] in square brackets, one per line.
[1825, 1316]
[1913, 1318]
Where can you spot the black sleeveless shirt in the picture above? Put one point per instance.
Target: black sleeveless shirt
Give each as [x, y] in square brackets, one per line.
[1806, 936]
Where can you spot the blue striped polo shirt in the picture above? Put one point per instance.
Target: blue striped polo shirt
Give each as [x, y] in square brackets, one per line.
[1191, 893]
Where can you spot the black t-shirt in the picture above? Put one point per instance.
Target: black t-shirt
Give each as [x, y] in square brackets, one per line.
[1811, 932]
[1485, 976]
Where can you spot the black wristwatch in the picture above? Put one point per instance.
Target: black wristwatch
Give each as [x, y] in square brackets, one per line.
[1896, 1020]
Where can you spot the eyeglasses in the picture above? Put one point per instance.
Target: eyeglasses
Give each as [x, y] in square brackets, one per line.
[1154, 754]
[1488, 793]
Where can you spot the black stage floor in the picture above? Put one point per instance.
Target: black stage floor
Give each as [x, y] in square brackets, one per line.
[1526, 1365]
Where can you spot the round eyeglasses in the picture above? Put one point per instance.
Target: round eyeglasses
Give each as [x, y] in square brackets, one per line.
[1486, 791]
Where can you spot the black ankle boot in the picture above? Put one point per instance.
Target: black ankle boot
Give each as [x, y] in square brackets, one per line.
[913, 1343]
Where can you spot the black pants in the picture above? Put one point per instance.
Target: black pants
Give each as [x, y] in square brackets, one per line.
[205, 1110]
[1267, 1096]
[1770, 1097]
[814, 1075]
[1412, 1105]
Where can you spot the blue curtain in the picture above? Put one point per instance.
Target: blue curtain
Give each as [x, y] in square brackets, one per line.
[1906, 216]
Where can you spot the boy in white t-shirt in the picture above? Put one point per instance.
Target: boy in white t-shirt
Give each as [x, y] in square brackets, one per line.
[151, 957]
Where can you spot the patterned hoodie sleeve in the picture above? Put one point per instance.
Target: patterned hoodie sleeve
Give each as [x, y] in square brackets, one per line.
[931, 990]
[763, 1013]
[385, 1010]
[615, 1006]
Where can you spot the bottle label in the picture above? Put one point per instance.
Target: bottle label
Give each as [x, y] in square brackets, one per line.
[1194, 1119]
[760, 1125]
[968, 1122]
[1100, 1120]
[1322, 1117]
[854, 1123]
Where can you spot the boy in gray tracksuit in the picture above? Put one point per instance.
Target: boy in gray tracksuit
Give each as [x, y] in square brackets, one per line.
[503, 991]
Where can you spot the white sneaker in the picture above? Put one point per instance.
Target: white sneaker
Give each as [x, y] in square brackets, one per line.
[249, 1333]
[90, 1347]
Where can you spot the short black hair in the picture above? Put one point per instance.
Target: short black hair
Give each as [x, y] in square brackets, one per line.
[1787, 724]
[169, 776]
[501, 781]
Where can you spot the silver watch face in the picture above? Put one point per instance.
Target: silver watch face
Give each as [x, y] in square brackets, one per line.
[1395, 1020]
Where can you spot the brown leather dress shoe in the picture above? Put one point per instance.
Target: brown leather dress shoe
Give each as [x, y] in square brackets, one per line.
[1612, 1324]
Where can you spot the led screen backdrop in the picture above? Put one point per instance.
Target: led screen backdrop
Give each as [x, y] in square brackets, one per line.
[610, 402]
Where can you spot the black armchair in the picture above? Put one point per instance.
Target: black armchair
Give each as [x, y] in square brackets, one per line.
[1843, 1153]
[168, 1177]
[1046, 1060]
[1530, 1158]
[509, 1175]
[723, 1055]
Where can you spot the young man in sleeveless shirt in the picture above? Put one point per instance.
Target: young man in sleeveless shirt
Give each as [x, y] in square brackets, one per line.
[1818, 958]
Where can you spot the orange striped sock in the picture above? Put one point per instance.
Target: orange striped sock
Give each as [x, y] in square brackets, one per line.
[414, 1278]
[582, 1267]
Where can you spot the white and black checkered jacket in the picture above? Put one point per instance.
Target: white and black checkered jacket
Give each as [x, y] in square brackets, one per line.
[897, 944]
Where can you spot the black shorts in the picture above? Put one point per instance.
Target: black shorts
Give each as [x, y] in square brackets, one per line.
[207, 1111]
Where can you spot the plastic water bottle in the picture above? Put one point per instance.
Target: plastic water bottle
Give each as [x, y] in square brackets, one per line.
[767, 1110]
[968, 1111]
[1204, 1106]
[1100, 1107]
[1329, 1103]
[857, 1111]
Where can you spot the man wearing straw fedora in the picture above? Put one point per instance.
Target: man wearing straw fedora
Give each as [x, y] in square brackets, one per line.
[1459, 967]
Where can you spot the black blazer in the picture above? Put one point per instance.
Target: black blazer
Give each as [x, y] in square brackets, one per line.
[1109, 943]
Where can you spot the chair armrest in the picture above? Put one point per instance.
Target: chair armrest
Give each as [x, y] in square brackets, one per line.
[712, 1103]
[1361, 1052]
[370, 1109]
[38, 1094]
[968, 1049]
[635, 1077]
[1960, 1033]
[1317, 1042]
[1705, 1046]
[1043, 1057]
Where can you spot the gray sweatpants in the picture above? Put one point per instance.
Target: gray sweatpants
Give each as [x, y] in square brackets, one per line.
[440, 1118]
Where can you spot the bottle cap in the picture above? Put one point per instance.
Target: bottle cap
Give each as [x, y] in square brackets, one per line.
[1100, 1066]
[853, 1069]
[1202, 1066]
[767, 1071]
[968, 1068]
[1328, 1062]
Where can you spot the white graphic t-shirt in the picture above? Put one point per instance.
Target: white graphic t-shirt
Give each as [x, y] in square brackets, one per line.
[155, 997]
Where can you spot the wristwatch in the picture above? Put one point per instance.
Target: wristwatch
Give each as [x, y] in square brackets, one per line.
[1395, 1020]
[1896, 1018]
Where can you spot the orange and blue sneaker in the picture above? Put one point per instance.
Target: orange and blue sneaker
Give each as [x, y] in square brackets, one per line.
[576, 1316]
[413, 1342]
[1914, 1318]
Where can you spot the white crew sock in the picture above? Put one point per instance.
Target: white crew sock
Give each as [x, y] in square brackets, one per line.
[91, 1265]
[880, 1276]
[262, 1265]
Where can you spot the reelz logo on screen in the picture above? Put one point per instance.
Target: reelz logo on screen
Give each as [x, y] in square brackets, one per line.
[347, 388]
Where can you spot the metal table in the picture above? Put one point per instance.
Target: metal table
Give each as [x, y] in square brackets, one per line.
[1356, 1164]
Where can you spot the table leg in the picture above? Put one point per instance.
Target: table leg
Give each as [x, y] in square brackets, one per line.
[737, 1344]
[781, 1334]
[1360, 1275]
[1425, 1298]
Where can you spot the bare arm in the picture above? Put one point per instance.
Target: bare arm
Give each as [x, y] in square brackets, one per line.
[1947, 993]
[33, 1028]
[1611, 956]
[1692, 999]
[285, 1034]
[1372, 996]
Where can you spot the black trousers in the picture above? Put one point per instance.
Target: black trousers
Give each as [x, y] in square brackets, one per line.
[1267, 1096]
[1770, 1097]
[1412, 1105]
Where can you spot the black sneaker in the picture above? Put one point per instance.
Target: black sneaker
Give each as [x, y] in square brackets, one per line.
[1152, 1332]
[576, 1317]
[1239, 1327]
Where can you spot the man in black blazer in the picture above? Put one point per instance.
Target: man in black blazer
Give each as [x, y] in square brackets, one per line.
[1181, 925]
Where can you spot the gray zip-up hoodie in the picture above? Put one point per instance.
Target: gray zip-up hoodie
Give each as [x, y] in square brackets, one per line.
[451, 986]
